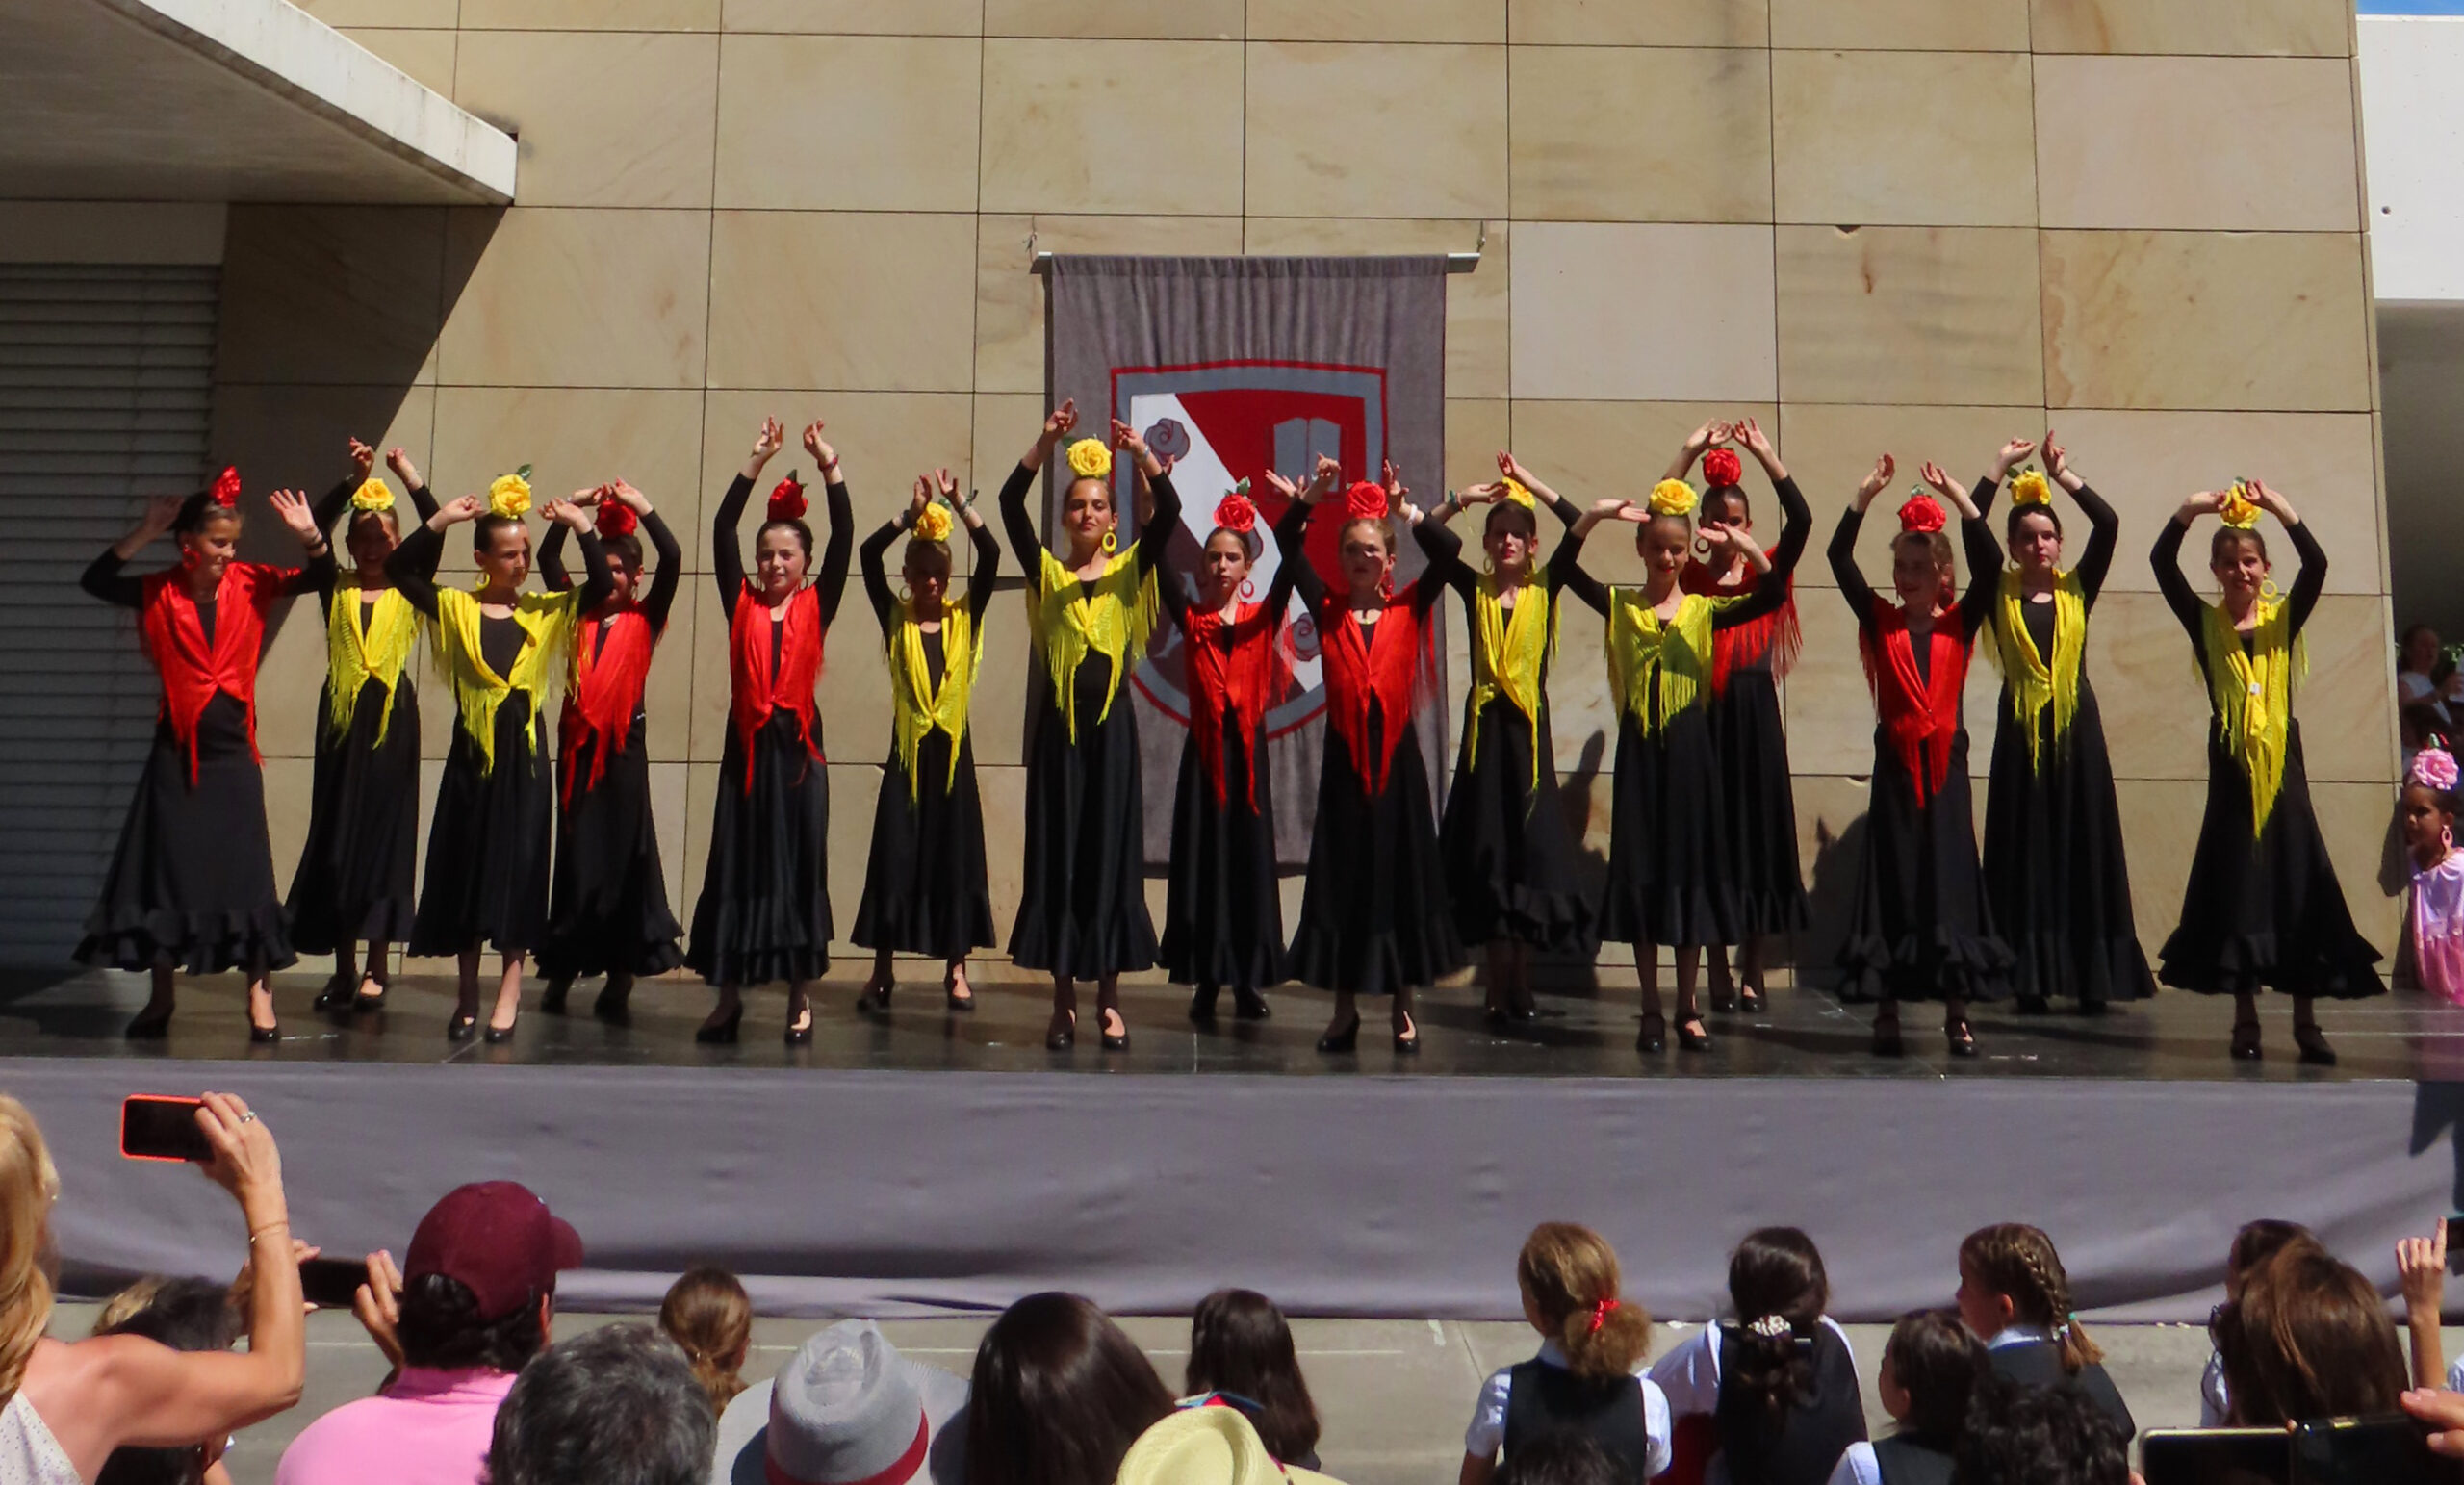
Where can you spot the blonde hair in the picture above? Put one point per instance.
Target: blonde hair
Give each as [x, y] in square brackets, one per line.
[1570, 1274]
[29, 1184]
[135, 1298]
[707, 1312]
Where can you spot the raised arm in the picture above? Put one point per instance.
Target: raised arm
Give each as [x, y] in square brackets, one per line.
[1016, 519]
[1983, 572]
[103, 577]
[597, 582]
[868, 560]
[1445, 552]
[399, 460]
[830, 582]
[2166, 558]
[412, 568]
[1162, 516]
[1566, 571]
[1843, 541]
[553, 575]
[1559, 505]
[2104, 526]
[317, 574]
[1291, 542]
[727, 550]
[981, 583]
[670, 562]
[2311, 580]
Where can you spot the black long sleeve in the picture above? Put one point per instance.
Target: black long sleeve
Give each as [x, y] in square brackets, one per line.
[1019, 524]
[597, 582]
[988, 571]
[2311, 580]
[412, 568]
[1566, 573]
[1984, 562]
[327, 510]
[421, 501]
[727, 550]
[1853, 586]
[2104, 533]
[553, 575]
[315, 574]
[1290, 538]
[671, 571]
[104, 579]
[1796, 527]
[1445, 552]
[2166, 558]
[835, 551]
[1155, 537]
[868, 561]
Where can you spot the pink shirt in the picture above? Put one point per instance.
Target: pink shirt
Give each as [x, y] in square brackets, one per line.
[428, 1429]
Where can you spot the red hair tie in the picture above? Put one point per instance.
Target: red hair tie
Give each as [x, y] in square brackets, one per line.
[788, 501]
[1601, 1312]
[227, 488]
[1721, 467]
[1922, 513]
[1366, 501]
[616, 518]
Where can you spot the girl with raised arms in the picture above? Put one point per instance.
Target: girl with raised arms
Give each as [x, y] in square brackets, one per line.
[764, 910]
[1082, 915]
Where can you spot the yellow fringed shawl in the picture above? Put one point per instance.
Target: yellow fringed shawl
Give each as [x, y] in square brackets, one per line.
[547, 618]
[916, 707]
[1111, 616]
[1674, 653]
[1509, 651]
[354, 659]
[2035, 682]
[2252, 694]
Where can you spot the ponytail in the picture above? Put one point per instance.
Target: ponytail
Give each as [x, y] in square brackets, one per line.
[1570, 1274]
[2019, 1262]
[1780, 1289]
[709, 1315]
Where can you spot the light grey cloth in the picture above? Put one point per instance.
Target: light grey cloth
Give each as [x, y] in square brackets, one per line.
[850, 1403]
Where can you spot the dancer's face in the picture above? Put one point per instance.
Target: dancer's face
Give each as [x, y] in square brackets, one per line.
[779, 561]
[1368, 561]
[624, 572]
[1223, 568]
[2037, 545]
[370, 538]
[2241, 568]
[1662, 543]
[208, 551]
[2427, 821]
[1511, 536]
[1087, 513]
[505, 560]
[1915, 572]
[1726, 508]
[926, 570]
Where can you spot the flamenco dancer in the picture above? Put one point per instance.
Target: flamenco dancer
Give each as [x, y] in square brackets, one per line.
[1921, 928]
[486, 885]
[1083, 912]
[2054, 866]
[355, 879]
[1373, 915]
[1223, 919]
[191, 887]
[2263, 907]
[1670, 880]
[607, 912]
[1510, 859]
[925, 884]
[764, 910]
[1757, 817]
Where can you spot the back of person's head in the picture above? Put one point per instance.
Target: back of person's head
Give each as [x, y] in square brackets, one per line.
[28, 1185]
[2019, 1262]
[1778, 1288]
[1239, 1344]
[127, 1300]
[618, 1405]
[2255, 1243]
[1935, 1361]
[1562, 1458]
[2022, 1435]
[707, 1312]
[1570, 1277]
[479, 1278]
[186, 1315]
[1058, 1396]
[441, 1327]
[2308, 1338]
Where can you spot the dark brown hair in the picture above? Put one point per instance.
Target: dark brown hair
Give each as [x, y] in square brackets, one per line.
[1937, 1361]
[1239, 1344]
[2258, 1241]
[2309, 1338]
[1775, 1272]
[2010, 522]
[2228, 535]
[2019, 1262]
[1571, 1274]
[804, 535]
[1059, 1396]
[708, 1315]
[483, 531]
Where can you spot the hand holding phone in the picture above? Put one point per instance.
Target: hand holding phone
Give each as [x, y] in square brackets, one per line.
[332, 1283]
[155, 1126]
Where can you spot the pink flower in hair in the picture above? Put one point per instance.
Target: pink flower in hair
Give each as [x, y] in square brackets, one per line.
[2435, 769]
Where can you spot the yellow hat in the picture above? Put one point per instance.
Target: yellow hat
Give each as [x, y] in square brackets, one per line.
[1673, 498]
[1089, 459]
[1206, 1445]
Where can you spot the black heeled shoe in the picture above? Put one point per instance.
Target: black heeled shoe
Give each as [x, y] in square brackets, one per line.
[2244, 1045]
[1249, 1005]
[364, 1001]
[1724, 998]
[1887, 1040]
[801, 1036]
[2313, 1042]
[613, 1006]
[1750, 1001]
[1407, 1043]
[718, 1034]
[1202, 1006]
[334, 996]
[147, 1027]
[1960, 1038]
[874, 1000]
[462, 1028]
[1109, 1041]
[951, 999]
[499, 1036]
[1063, 1033]
[1654, 1036]
[264, 1036]
[1692, 1035]
[1337, 1043]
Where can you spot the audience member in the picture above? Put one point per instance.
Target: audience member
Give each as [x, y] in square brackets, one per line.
[1240, 1345]
[1207, 1444]
[186, 1315]
[846, 1408]
[1559, 1459]
[2418, 676]
[130, 1299]
[471, 1307]
[1930, 1366]
[619, 1405]
[70, 1405]
[707, 1312]
[2253, 1244]
[1059, 1396]
[2308, 1338]
[1587, 1377]
[1777, 1380]
[2015, 1296]
[2023, 1434]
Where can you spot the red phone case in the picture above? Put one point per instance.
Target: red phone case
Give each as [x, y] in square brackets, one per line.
[189, 1104]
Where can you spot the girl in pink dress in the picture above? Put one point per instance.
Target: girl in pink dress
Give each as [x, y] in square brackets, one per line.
[2436, 914]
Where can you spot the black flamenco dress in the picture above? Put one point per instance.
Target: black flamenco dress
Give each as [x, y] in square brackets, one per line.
[926, 884]
[192, 883]
[608, 909]
[1082, 914]
[355, 879]
[486, 880]
[1920, 927]
[2055, 870]
[763, 914]
[1510, 857]
[2263, 907]
[1223, 913]
[1374, 918]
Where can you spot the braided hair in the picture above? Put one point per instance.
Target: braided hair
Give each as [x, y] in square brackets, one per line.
[2018, 1263]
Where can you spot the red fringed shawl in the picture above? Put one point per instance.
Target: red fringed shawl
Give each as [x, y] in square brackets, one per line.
[174, 640]
[753, 693]
[608, 677]
[1919, 715]
[1773, 636]
[1362, 668]
[1231, 669]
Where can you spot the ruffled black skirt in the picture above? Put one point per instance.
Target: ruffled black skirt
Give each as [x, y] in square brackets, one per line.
[355, 876]
[1082, 910]
[2265, 909]
[1921, 928]
[1224, 914]
[764, 910]
[2054, 866]
[191, 883]
[489, 843]
[1509, 856]
[1757, 805]
[1670, 876]
[925, 882]
[608, 911]
[1373, 915]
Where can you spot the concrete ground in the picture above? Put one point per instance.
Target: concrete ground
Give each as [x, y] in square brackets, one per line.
[1394, 1395]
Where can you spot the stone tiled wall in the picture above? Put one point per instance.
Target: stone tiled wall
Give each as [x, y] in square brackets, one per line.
[1922, 225]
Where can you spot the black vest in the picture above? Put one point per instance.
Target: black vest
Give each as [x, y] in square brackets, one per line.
[2039, 1364]
[1910, 1459]
[1542, 1399]
[1806, 1445]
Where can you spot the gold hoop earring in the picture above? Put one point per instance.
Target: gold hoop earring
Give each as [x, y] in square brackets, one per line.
[905, 596]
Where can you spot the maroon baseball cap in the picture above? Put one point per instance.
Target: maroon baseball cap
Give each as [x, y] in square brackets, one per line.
[499, 1240]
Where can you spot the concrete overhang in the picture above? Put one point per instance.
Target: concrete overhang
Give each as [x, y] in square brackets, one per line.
[224, 100]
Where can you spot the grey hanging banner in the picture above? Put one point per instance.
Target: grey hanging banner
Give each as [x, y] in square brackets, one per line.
[1230, 367]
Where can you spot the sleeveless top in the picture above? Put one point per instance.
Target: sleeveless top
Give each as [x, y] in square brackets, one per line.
[29, 1455]
[1542, 1399]
[1909, 1459]
[1810, 1436]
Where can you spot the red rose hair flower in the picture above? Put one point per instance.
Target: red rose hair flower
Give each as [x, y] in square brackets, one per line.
[1366, 501]
[1235, 513]
[616, 518]
[788, 503]
[1721, 467]
[227, 488]
[1922, 513]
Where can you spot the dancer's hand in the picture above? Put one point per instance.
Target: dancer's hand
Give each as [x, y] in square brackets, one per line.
[2012, 454]
[628, 495]
[298, 517]
[1872, 484]
[2057, 463]
[399, 460]
[453, 512]
[361, 459]
[823, 455]
[767, 440]
[917, 501]
[2206, 503]
[2272, 501]
[1060, 421]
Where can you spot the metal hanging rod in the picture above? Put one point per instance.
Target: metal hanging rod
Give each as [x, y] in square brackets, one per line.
[1456, 263]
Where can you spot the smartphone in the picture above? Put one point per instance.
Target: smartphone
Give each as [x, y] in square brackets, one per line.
[2384, 1449]
[2216, 1456]
[153, 1126]
[332, 1283]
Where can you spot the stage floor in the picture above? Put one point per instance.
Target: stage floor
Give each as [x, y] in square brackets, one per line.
[1808, 1033]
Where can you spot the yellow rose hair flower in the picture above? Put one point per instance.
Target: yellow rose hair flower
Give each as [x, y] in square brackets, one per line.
[1089, 459]
[2029, 487]
[375, 495]
[1519, 494]
[509, 495]
[1673, 498]
[2240, 512]
[933, 524]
